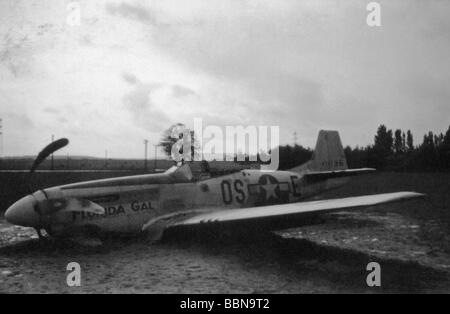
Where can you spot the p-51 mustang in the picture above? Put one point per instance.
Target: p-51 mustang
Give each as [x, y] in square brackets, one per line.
[158, 202]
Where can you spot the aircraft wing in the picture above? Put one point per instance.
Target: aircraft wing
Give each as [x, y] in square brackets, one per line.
[296, 209]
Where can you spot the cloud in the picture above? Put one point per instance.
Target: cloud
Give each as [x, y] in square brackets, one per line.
[20, 119]
[63, 120]
[308, 64]
[51, 110]
[181, 91]
[130, 78]
[240, 48]
[157, 105]
[14, 54]
[143, 109]
[57, 115]
[44, 28]
[303, 65]
[133, 11]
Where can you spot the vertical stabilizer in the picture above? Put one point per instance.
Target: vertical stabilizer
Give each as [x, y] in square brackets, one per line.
[328, 155]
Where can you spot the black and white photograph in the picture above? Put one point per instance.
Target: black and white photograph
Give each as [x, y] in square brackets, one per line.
[223, 152]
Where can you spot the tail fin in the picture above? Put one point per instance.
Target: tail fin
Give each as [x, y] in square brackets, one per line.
[328, 155]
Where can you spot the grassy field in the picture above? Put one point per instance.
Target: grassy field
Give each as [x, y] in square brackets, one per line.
[432, 213]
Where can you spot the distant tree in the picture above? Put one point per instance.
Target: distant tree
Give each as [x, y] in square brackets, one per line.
[175, 133]
[357, 157]
[431, 155]
[403, 142]
[427, 153]
[447, 137]
[382, 148]
[398, 141]
[409, 141]
[292, 156]
[438, 140]
[410, 159]
[445, 149]
[438, 144]
[348, 151]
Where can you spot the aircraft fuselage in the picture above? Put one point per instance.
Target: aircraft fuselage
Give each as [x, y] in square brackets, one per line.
[132, 201]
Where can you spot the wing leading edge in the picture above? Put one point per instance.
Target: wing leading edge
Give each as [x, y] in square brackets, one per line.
[297, 209]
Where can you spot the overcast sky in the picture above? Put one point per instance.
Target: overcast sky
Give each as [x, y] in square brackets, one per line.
[130, 70]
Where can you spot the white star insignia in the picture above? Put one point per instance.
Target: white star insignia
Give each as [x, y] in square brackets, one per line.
[270, 190]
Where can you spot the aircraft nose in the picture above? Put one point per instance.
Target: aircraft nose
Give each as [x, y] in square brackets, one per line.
[22, 212]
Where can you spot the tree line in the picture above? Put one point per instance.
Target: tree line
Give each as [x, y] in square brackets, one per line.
[396, 151]
[391, 151]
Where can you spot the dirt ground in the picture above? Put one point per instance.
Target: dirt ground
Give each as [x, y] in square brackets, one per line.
[409, 240]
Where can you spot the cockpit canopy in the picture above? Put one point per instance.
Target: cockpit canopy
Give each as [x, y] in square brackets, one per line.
[198, 171]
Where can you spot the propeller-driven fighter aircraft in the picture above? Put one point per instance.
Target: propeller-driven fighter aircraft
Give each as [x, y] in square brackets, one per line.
[155, 203]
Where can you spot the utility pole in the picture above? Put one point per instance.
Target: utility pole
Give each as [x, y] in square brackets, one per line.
[295, 138]
[145, 154]
[156, 152]
[53, 161]
[1, 137]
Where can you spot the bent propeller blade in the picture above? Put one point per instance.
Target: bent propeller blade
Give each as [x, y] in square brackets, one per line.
[48, 150]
